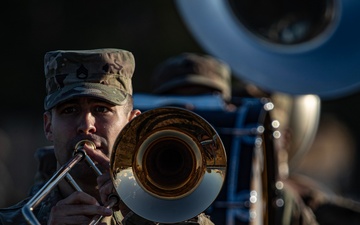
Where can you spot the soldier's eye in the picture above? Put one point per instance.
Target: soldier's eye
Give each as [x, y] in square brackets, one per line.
[68, 110]
[101, 109]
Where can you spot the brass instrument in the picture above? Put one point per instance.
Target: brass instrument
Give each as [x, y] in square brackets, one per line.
[170, 158]
[62, 173]
[281, 47]
[163, 160]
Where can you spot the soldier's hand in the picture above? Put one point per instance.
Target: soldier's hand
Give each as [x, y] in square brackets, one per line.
[78, 208]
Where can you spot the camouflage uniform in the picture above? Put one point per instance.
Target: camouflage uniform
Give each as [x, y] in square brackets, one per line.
[47, 166]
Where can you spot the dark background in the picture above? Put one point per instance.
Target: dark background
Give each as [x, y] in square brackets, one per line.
[152, 30]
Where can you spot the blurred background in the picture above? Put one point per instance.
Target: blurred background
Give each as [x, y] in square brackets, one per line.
[153, 31]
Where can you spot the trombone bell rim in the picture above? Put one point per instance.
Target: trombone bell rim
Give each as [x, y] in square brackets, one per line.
[136, 147]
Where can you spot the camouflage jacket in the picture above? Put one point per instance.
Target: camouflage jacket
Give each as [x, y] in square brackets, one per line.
[47, 167]
[308, 202]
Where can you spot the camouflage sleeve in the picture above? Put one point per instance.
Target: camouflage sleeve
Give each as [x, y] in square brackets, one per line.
[133, 219]
[204, 220]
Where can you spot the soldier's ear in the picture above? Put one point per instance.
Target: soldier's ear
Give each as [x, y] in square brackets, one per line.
[134, 113]
[48, 125]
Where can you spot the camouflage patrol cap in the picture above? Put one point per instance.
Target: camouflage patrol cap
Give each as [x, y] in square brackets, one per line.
[100, 73]
[192, 69]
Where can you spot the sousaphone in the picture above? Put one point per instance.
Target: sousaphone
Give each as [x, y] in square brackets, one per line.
[296, 47]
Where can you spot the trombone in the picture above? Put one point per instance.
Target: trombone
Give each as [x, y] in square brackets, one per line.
[62, 173]
[166, 157]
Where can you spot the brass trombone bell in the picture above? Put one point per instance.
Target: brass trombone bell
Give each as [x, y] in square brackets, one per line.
[168, 164]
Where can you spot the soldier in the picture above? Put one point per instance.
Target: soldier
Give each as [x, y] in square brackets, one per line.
[89, 96]
[193, 74]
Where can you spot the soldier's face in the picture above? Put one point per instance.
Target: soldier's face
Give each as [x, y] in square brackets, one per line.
[84, 118]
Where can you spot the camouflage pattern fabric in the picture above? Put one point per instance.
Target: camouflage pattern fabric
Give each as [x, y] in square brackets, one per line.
[192, 69]
[99, 73]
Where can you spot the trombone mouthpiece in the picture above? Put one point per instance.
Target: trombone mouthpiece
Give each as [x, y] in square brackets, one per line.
[80, 145]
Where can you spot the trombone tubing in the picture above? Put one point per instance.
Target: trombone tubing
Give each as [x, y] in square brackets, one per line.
[54, 180]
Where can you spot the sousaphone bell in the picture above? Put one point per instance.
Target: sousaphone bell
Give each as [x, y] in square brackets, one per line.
[302, 47]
